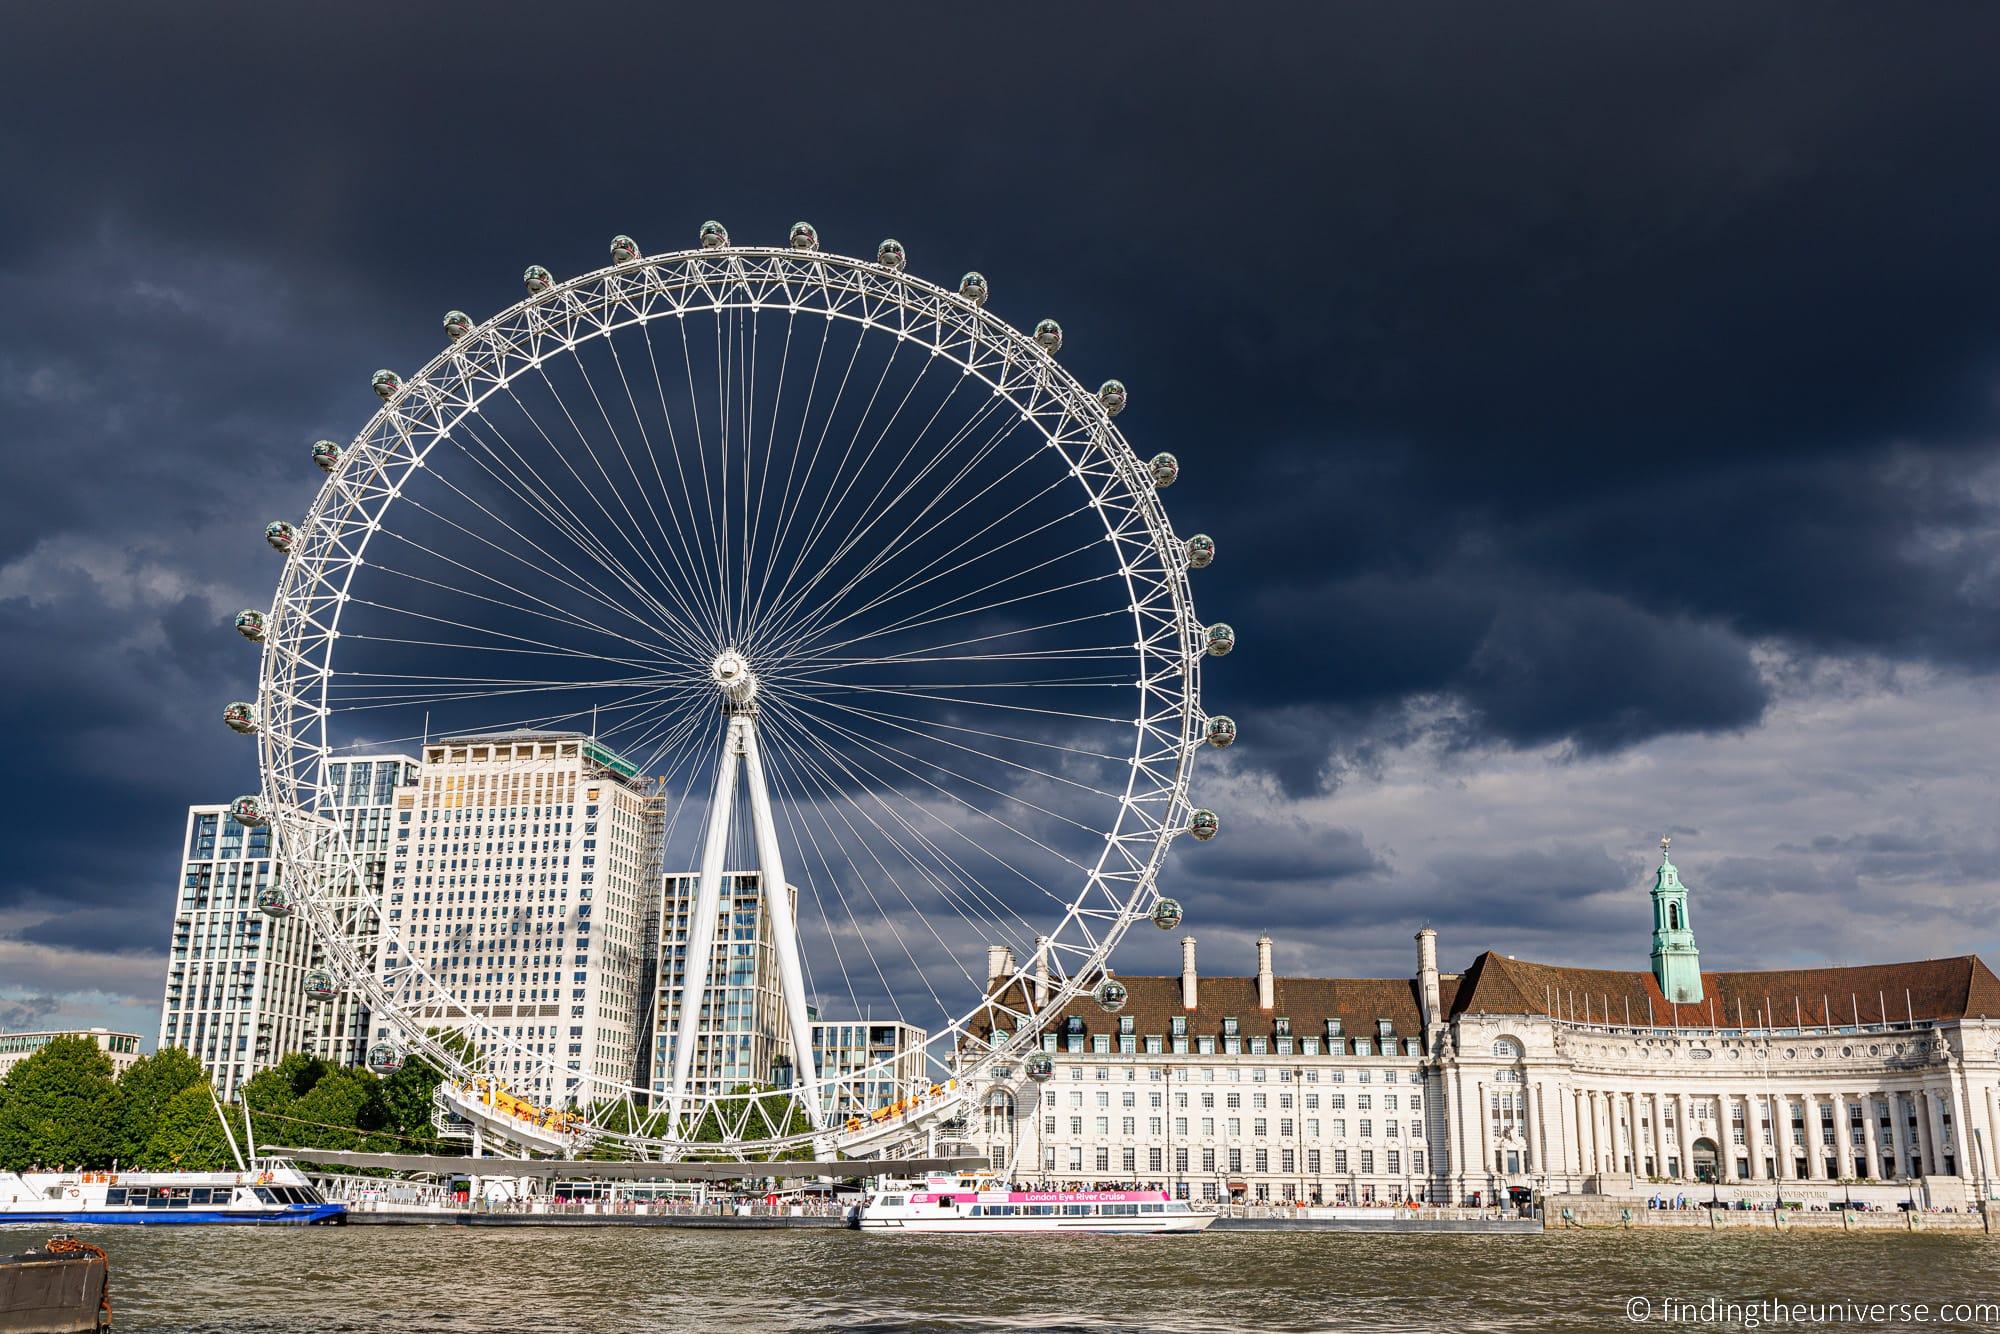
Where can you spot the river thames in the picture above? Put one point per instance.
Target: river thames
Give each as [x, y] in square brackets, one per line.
[535, 1279]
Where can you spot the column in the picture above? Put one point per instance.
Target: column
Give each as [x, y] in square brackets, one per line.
[1992, 1134]
[1531, 1126]
[1725, 1138]
[1815, 1140]
[1607, 1142]
[1579, 1130]
[1485, 1131]
[1659, 1115]
[1843, 1140]
[1871, 1144]
[1899, 1133]
[1959, 1138]
[1926, 1142]
[1632, 1145]
[1753, 1136]
[1781, 1137]
[1941, 1145]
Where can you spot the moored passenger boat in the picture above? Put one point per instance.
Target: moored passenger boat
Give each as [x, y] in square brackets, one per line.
[273, 1191]
[975, 1204]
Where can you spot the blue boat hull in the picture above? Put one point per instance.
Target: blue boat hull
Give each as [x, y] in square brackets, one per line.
[296, 1215]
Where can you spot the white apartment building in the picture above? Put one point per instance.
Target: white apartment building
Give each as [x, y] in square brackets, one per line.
[1876, 1083]
[235, 994]
[742, 1038]
[517, 882]
[122, 1048]
[878, 1061]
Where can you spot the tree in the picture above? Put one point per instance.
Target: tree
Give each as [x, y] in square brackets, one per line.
[147, 1087]
[187, 1135]
[730, 1111]
[61, 1108]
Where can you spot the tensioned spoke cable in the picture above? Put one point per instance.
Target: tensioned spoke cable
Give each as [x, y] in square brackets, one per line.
[967, 893]
[780, 773]
[713, 598]
[555, 511]
[904, 720]
[786, 610]
[821, 808]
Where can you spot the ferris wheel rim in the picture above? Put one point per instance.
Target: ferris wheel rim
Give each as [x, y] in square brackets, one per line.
[284, 661]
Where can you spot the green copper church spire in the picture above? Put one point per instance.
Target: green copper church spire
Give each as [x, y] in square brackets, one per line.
[1676, 961]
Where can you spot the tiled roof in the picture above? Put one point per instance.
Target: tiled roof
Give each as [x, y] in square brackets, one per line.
[1358, 1002]
[1953, 988]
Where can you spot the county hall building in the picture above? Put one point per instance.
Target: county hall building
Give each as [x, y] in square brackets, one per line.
[1877, 1082]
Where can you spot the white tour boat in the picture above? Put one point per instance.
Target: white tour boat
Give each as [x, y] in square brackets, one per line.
[273, 1192]
[976, 1204]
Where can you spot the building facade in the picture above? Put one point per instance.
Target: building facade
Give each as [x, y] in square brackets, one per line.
[235, 993]
[516, 884]
[1877, 1082]
[877, 1062]
[743, 1037]
[122, 1048]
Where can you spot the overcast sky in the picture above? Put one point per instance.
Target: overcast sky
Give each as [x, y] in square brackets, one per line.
[1596, 407]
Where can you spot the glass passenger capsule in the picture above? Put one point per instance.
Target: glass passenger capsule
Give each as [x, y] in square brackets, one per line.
[1221, 731]
[1049, 334]
[326, 454]
[973, 288]
[1112, 395]
[1164, 468]
[248, 810]
[1111, 995]
[457, 324]
[241, 716]
[271, 901]
[1167, 914]
[1221, 639]
[1200, 551]
[385, 384]
[804, 236]
[385, 1058]
[1040, 1067]
[281, 535]
[890, 255]
[250, 624]
[537, 280]
[1203, 824]
[319, 985]
[714, 235]
[623, 249]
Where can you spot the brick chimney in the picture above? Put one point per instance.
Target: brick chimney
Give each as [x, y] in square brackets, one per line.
[1187, 973]
[1267, 989]
[1427, 976]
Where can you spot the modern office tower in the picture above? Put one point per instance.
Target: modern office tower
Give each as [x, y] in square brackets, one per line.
[517, 885]
[235, 978]
[235, 994]
[362, 795]
[892, 1053]
[653, 876]
[122, 1048]
[745, 1041]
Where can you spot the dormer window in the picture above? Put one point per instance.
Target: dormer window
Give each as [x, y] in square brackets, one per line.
[1384, 1028]
[1177, 1025]
[1333, 1028]
[1283, 1027]
[1125, 1023]
[1073, 1024]
[1229, 1028]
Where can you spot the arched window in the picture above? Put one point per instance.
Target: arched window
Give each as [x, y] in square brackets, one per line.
[999, 1111]
[1507, 1049]
[1673, 917]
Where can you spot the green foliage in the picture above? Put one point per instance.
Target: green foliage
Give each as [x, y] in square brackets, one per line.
[729, 1111]
[187, 1135]
[61, 1108]
[148, 1087]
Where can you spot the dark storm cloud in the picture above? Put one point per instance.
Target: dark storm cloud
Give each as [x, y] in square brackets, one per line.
[1532, 367]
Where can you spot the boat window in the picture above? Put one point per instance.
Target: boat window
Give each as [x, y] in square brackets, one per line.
[159, 1198]
[891, 1201]
[116, 1195]
[1152, 1208]
[181, 1198]
[263, 1193]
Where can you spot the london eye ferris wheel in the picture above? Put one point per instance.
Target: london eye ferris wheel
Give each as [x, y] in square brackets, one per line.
[850, 579]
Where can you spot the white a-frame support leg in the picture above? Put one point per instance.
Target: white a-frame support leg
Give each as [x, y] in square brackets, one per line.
[698, 964]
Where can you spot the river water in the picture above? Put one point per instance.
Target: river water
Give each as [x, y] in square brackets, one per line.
[493, 1280]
